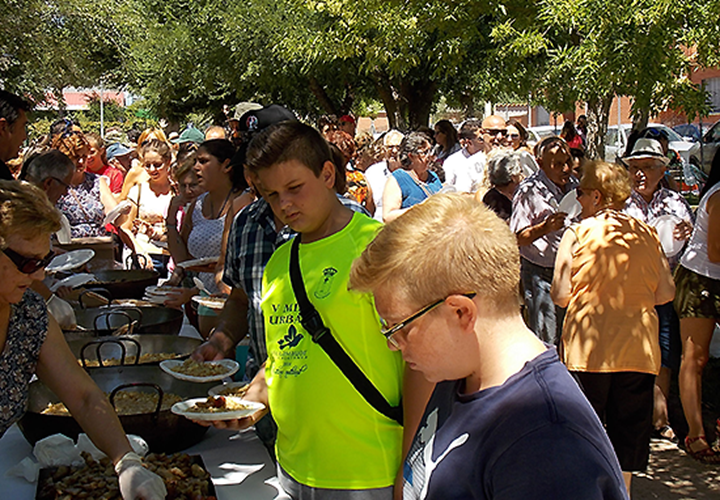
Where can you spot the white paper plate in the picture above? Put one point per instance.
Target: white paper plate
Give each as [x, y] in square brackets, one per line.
[570, 205]
[73, 281]
[216, 391]
[230, 364]
[665, 225]
[198, 262]
[182, 407]
[210, 302]
[115, 212]
[155, 299]
[70, 260]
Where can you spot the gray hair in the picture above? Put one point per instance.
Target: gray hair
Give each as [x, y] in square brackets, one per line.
[502, 167]
[51, 163]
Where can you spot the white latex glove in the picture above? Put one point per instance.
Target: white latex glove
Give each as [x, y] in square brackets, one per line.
[136, 482]
[62, 312]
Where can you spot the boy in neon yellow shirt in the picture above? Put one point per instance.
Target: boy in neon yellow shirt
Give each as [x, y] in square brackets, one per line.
[331, 442]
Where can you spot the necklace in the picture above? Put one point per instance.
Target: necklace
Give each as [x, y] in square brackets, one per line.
[222, 207]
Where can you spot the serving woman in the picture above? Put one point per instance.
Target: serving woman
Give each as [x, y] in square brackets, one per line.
[412, 183]
[31, 341]
[610, 273]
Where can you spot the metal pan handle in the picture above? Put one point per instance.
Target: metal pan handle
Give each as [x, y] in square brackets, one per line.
[98, 343]
[135, 310]
[161, 394]
[106, 315]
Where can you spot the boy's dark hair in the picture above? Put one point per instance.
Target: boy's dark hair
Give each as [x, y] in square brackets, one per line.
[10, 106]
[469, 128]
[285, 141]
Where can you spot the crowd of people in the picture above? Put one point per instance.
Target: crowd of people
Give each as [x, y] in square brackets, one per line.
[426, 316]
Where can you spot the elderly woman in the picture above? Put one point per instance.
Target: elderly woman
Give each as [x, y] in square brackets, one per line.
[412, 183]
[649, 202]
[610, 273]
[151, 199]
[31, 341]
[89, 198]
[698, 305]
[504, 171]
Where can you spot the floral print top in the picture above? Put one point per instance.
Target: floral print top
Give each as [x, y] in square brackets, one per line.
[26, 333]
[83, 208]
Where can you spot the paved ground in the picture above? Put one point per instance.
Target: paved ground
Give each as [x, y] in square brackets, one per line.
[673, 475]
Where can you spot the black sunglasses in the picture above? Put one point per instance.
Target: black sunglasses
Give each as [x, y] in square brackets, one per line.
[28, 265]
[496, 131]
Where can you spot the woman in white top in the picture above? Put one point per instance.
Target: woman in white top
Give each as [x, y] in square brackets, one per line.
[207, 222]
[144, 227]
[698, 304]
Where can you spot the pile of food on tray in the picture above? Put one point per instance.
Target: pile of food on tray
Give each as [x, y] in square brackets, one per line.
[153, 357]
[126, 403]
[184, 477]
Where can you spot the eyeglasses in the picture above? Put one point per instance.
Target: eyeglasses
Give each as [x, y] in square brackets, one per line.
[424, 152]
[28, 265]
[514, 136]
[389, 332]
[496, 131]
[61, 182]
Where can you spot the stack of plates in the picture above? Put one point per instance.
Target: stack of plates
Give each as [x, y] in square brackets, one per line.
[159, 294]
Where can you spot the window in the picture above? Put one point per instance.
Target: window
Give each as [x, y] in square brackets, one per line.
[712, 86]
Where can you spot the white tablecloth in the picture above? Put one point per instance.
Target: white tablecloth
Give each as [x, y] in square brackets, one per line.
[228, 456]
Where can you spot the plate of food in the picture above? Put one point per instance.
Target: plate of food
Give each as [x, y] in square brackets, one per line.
[216, 408]
[158, 300]
[236, 389]
[205, 261]
[70, 260]
[210, 302]
[162, 291]
[193, 371]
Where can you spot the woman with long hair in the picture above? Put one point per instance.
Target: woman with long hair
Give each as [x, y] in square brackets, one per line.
[446, 138]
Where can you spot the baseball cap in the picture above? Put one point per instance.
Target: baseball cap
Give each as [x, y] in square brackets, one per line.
[243, 108]
[190, 134]
[115, 150]
[258, 119]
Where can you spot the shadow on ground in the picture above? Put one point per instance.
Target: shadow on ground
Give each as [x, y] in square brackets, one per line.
[673, 475]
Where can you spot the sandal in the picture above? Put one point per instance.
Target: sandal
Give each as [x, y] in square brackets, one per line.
[665, 432]
[705, 455]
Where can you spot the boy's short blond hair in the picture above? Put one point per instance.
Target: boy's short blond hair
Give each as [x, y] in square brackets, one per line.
[25, 210]
[448, 244]
[611, 179]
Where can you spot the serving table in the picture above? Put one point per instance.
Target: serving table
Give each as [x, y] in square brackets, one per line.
[237, 462]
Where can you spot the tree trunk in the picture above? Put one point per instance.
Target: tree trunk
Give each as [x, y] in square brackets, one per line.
[420, 98]
[388, 95]
[640, 118]
[322, 97]
[597, 115]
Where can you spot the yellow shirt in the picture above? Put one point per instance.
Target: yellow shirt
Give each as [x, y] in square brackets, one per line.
[611, 324]
[328, 435]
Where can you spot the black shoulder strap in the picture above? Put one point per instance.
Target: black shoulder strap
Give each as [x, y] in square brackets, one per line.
[321, 335]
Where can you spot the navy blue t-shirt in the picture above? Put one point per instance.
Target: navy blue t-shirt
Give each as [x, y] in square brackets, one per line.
[534, 437]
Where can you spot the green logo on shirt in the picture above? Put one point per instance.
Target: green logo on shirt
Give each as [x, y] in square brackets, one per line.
[292, 339]
[324, 290]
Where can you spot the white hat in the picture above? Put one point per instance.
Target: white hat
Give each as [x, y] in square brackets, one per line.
[393, 138]
[647, 148]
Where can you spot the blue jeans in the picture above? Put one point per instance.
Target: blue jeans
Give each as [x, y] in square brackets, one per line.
[542, 316]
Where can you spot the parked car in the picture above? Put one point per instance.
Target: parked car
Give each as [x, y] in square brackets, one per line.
[616, 142]
[702, 158]
[692, 131]
[537, 134]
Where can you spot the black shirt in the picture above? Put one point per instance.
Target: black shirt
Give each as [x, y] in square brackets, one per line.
[5, 173]
[498, 203]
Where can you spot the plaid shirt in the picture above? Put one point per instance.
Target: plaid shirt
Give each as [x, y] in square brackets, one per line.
[664, 202]
[253, 239]
[535, 199]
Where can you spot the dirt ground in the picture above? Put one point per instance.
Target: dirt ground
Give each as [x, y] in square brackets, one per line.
[673, 475]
